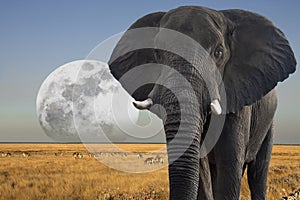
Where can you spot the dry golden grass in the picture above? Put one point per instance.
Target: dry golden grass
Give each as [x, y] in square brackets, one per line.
[284, 173]
[44, 175]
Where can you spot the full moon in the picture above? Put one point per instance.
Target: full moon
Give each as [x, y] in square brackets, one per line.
[80, 101]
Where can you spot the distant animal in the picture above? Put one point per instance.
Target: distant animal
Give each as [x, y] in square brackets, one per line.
[77, 155]
[139, 156]
[124, 154]
[159, 160]
[92, 155]
[58, 154]
[25, 154]
[5, 154]
[114, 153]
[149, 161]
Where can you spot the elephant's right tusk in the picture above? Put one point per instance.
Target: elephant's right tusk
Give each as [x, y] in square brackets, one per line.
[216, 107]
[142, 105]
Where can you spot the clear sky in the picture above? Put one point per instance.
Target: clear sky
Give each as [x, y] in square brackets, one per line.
[36, 37]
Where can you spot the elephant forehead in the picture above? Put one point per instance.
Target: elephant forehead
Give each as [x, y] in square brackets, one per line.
[204, 25]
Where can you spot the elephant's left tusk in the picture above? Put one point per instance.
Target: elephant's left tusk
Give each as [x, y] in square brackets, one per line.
[216, 107]
[142, 105]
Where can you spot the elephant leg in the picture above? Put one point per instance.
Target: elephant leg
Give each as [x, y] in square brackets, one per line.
[258, 169]
[213, 174]
[229, 153]
[228, 182]
[229, 172]
[205, 186]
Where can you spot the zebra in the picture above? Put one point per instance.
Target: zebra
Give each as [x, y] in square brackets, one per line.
[97, 154]
[114, 154]
[3, 154]
[92, 155]
[25, 154]
[149, 161]
[58, 154]
[139, 156]
[123, 154]
[159, 160]
[77, 155]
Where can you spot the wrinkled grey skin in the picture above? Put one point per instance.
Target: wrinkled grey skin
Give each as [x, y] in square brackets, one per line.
[255, 57]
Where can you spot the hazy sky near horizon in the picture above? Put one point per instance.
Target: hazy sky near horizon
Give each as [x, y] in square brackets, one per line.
[36, 37]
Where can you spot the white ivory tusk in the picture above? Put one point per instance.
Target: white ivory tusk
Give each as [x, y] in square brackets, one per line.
[216, 107]
[142, 105]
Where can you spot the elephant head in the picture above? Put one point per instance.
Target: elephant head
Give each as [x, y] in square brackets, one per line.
[245, 49]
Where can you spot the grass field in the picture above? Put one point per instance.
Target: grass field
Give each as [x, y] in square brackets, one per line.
[51, 172]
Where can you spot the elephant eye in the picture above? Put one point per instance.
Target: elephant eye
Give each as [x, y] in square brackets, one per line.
[218, 52]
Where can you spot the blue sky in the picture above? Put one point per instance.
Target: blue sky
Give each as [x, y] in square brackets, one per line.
[36, 37]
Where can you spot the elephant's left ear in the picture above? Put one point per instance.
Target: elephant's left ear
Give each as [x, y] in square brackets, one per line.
[260, 57]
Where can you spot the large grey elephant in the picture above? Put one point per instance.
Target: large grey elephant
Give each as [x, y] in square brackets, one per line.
[251, 54]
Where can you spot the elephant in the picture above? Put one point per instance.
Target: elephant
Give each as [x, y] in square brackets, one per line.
[250, 54]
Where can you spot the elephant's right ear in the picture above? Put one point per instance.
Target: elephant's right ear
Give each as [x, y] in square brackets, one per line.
[130, 53]
[260, 58]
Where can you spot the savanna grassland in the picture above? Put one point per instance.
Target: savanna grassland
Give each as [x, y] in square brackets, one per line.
[49, 171]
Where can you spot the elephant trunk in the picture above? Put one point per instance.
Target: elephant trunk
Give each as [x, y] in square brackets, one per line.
[186, 105]
[185, 98]
[183, 126]
[183, 169]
